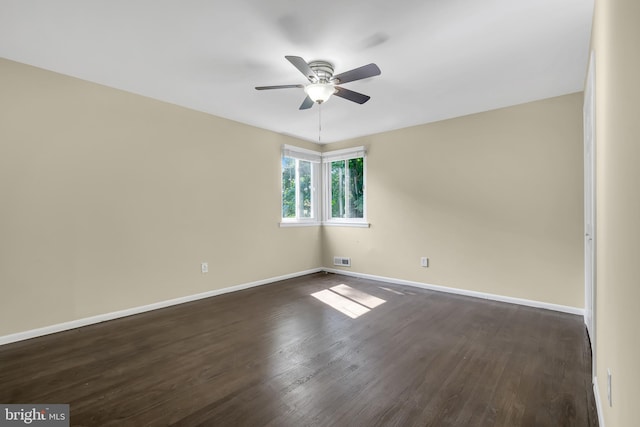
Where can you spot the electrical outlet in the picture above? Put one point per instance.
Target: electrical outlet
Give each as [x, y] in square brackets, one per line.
[424, 261]
[204, 267]
[609, 386]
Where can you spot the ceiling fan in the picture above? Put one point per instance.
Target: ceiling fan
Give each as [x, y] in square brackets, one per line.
[323, 83]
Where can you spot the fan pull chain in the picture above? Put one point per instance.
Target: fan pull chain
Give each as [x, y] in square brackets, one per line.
[319, 123]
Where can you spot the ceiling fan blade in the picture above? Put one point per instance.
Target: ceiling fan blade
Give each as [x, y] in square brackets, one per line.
[278, 87]
[351, 95]
[304, 68]
[306, 104]
[359, 73]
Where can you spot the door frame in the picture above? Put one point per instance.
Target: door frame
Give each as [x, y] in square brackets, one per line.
[589, 117]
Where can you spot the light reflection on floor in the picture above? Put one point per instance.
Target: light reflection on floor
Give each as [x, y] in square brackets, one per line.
[391, 290]
[347, 300]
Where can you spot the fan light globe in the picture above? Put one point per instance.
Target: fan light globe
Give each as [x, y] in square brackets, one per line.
[319, 92]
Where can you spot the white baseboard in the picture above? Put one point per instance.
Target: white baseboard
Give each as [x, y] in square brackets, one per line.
[475, 294]
[596, 395]
[33, 333]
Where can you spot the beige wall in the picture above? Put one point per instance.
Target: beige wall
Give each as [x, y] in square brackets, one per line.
[109, 200]
[615, 38]
[493, 199]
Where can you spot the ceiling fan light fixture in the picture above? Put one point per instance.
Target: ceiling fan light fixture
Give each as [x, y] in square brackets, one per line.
[319, 92]
[323, 84]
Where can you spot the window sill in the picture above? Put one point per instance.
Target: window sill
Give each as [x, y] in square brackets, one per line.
[346, 224]
[285, 224]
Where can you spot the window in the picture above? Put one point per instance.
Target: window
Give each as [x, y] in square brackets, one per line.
[299, 180]
[347, 197]
[343, 183]
[344, 179]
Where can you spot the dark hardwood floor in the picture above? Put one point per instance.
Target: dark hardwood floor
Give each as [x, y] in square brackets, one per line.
[277, 356]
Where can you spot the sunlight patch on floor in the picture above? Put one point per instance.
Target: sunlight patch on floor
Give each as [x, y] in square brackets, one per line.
[358, 296]
[347, 300]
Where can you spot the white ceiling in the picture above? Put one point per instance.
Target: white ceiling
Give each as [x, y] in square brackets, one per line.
[439, 58]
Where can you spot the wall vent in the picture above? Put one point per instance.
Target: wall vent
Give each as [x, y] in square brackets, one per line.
[341, 261]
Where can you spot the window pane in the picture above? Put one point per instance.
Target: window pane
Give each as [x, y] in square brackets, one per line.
[288, 187]
[304, 176]
[338, 173]
[347, 188]
[356, 188]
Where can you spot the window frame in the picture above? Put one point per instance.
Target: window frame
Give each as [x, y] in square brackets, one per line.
[327, 159]
[321, 186]
[314, 158]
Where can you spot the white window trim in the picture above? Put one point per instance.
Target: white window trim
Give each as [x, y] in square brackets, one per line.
[332, 156]
[299, 223]
[320, 191]
[344, 154]
[353, 223]
[301, 153]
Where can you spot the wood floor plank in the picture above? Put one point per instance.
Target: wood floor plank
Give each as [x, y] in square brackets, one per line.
[277, 356]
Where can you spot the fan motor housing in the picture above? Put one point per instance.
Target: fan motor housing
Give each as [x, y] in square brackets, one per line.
[323, 69]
